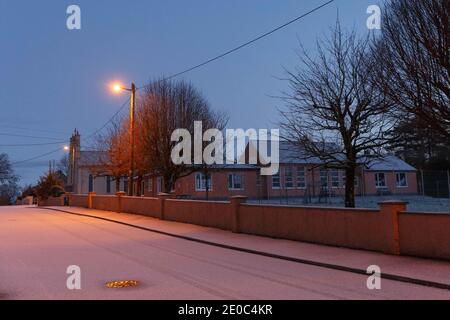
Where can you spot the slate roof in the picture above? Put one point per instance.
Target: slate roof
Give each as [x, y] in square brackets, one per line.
[389, 163]
[92, 158]
[289, 154]
[293, 154]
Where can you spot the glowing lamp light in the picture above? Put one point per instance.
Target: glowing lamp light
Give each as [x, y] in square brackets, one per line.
[116, 87]
[66, 148]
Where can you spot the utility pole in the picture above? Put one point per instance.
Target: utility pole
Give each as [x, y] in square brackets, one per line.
[132, 125]
[117, 88]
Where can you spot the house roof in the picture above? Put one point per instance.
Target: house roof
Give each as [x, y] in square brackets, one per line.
[291, 153]
[92, 158]
[99, 158]
[389, 163]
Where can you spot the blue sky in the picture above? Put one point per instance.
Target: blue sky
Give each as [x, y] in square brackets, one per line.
[53, 80]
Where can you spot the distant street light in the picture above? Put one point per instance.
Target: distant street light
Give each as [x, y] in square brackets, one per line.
[117, 87]
[66, 148]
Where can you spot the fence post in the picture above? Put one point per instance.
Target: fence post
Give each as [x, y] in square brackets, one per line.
[90, 196]
[389, 211]
[236, 201]
[162, 197]
[67, 199]
[423, 182]
[119, 195]
[448, 180]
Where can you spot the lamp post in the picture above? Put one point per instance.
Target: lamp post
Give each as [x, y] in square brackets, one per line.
[118, 88]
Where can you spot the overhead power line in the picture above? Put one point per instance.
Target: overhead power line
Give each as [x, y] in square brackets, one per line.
[26, 136]
[36, 157]
[92, 135]
[248, 42]
[226, 53]
[33, 129]
[31, 144]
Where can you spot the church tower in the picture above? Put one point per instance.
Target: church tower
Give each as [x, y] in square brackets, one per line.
[75, 146]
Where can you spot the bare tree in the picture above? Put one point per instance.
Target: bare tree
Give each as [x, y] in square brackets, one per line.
[164, 107]
[115, 144]
[63, 167]
[414, 58]
[8, 180]
[332, 111]
[49, 185]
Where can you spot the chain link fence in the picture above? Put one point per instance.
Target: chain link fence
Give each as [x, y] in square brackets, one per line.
[434, 183]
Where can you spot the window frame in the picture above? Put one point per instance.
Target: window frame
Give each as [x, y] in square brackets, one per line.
[397, 180]
[231, 181]
[142, 188]
[377, 180]
[301, 169]
[291, 177]
[334, 173]
[202, 183]
[278, 176]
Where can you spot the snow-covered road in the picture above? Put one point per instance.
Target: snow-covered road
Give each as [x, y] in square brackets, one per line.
[37, 246]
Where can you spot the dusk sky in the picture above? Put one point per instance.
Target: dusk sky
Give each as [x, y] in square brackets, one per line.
[53, 80]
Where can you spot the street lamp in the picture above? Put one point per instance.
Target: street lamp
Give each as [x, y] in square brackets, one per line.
[117, 87]
[66, 148]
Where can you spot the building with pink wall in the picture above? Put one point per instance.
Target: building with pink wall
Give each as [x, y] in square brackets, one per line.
[297, 177]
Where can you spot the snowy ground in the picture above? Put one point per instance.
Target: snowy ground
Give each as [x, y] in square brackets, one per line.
[38, 245]
[416, 203]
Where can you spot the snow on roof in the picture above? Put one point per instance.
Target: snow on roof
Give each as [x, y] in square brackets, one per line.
[291, 153]
[389, 163]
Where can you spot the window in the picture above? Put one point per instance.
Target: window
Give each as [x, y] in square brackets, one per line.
[159, 183]
[142, 187]
[288, 178]
[335, 178]
[258, 180]
[150, 185]
[108, 184]
[276, 180]
[125, 185]
[301, 177]
[380, 180]
[402, 182]
[324, 178]
[91, 183]
[235, 181]
[201, 181]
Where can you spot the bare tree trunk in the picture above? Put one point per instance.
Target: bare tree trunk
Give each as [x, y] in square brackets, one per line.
[117, 184]
[168, 183]
[206, 183]
[350, 186]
